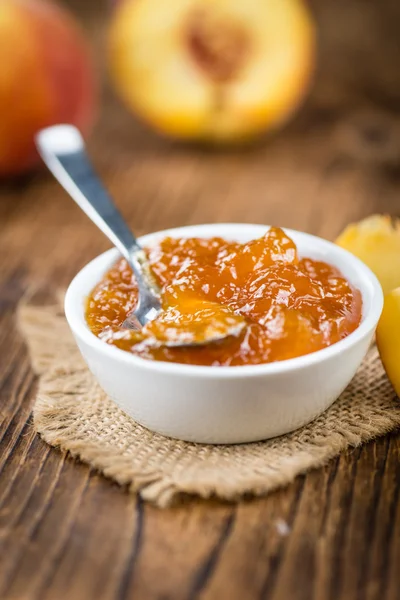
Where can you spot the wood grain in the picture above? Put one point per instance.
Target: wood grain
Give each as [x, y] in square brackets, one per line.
[67, 533]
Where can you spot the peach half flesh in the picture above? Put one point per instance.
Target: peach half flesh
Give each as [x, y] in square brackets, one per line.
[388, 338]
[376, 241]
[215, 70]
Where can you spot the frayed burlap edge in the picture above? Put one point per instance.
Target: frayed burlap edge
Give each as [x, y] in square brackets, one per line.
[71, 412]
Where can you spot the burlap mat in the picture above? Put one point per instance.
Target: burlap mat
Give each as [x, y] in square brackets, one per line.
[73, 413]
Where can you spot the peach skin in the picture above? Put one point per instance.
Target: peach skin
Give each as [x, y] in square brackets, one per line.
[46, 78]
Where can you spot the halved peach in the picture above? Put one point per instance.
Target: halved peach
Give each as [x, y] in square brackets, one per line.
[388, 338]
[212, 69]
[376, 241]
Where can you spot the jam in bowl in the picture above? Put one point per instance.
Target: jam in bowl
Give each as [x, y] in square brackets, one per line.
[288, 306]
[307, 309]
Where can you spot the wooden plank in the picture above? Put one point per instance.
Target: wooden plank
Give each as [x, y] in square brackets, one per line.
[68, 533]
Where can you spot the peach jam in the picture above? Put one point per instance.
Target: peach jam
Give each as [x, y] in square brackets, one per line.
[287, 306]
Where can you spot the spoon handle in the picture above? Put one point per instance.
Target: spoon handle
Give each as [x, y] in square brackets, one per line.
[63, 150]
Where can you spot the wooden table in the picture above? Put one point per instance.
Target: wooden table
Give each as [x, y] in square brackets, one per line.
[67, 533]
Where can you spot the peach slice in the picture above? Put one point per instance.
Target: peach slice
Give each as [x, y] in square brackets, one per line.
[376, 241]
[388, 338]
[214, 70]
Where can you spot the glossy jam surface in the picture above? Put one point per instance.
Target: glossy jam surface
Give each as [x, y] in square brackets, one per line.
[283, 306]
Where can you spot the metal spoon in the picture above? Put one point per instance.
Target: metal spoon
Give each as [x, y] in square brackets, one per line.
[63, 150]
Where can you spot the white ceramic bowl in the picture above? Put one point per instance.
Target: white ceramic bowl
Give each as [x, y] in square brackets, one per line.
[224, 405]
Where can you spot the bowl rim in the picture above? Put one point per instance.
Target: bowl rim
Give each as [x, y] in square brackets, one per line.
[369, 321]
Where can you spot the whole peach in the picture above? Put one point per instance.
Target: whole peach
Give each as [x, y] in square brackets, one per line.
[46, 77]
